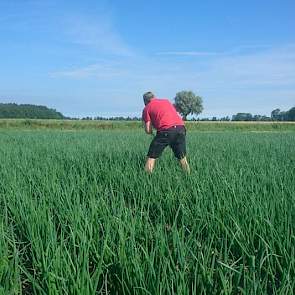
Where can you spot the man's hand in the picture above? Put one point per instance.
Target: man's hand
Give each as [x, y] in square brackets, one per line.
[148, 127]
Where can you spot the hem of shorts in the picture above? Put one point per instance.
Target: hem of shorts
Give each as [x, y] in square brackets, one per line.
[181, 157]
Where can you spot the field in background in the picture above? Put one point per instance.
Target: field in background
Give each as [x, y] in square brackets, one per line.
[86, 125]
[78, 215]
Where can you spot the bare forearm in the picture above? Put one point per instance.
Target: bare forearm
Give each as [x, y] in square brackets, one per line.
[148, 128]
[149, 131]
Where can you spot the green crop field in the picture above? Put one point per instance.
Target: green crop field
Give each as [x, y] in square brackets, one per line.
[78, 215]
[30, 124]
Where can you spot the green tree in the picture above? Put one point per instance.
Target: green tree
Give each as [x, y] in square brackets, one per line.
[275, 114]
[291, 114]
[187, 103]
[28, 111]
[242, 117]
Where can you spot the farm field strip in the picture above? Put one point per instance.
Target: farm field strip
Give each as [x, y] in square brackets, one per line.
[29, 124]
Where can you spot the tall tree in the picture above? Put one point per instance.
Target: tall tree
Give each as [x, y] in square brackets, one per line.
[275, 114]
[291, 114]
[187, 103]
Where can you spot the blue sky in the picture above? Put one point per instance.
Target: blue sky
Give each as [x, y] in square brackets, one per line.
[98, 57]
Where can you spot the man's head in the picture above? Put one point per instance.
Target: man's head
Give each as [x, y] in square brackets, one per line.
[147, 97]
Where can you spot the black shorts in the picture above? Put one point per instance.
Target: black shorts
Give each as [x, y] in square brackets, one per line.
[174, 137]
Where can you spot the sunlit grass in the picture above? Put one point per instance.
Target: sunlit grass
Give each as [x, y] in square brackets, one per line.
[28, 124]
[78, 215]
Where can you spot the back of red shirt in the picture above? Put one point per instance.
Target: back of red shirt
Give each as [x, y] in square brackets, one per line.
[161, 113]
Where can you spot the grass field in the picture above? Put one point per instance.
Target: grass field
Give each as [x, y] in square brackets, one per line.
[120, 125]
[79, 216]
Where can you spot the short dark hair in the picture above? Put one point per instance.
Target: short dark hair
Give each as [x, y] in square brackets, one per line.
[148, 96]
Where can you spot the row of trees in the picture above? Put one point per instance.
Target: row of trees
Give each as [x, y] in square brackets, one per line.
[250, 117]
[14, 111]
[276, 115]
[120, 118]
[283, 116]
[185, 102]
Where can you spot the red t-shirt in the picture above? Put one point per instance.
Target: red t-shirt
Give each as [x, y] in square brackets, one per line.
[161, 113]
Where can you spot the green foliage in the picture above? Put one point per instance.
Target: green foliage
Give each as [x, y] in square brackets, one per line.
[283, 116]
[249, 117]
[187, 103]
[12, 110]
[275, 114]
[242, 117]
[78, 215]
[291, 114]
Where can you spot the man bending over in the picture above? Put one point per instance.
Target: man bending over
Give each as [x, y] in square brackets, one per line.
[161, 114]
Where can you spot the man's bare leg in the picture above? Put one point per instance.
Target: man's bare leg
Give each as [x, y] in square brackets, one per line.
[184, 165]
[149, 165]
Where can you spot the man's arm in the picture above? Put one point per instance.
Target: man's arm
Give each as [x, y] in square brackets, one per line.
[147, 121]
[148, 127]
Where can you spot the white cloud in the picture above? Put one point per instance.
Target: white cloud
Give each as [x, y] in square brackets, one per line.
[274, 67]
[98, 33]
[269, 68]
[236, 50]
[188, 53]
[102, 70]
[255, 82]
[89, 29]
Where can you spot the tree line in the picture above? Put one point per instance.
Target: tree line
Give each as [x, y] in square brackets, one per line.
[28, 111]
[289, 115]
[185, 102]
[276, 115]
